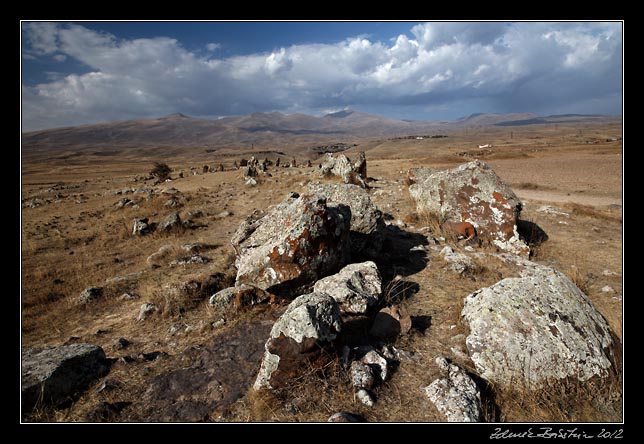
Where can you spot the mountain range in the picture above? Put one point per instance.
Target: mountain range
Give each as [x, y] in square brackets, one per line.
[262, 129]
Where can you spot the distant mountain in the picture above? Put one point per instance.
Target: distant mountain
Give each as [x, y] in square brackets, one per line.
[480, 119]
[275, 128]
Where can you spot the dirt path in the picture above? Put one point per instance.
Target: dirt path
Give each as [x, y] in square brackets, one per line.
[560, 196]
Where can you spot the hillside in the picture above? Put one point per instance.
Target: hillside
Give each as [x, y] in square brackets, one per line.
[261, 129]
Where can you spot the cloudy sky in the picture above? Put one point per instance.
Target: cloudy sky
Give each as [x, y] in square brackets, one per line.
[86, 72]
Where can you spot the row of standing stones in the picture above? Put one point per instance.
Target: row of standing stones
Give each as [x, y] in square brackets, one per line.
[318, 249]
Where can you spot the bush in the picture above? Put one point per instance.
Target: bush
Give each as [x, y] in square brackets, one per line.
[161, 170]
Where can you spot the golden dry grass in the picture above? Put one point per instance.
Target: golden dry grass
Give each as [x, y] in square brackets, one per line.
[81, 239]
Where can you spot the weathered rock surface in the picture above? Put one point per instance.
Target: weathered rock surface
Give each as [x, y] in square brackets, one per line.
[54, 375]
[90, 294]
[172, 222]
[367, 227]
[536, 327]
[141, 227]
[340, 165]
[310, 322]
[362, 375]
[457, 262]
[391, 322]
[146, 310]
[364, 397]
[356, 288]
[472, 193]
[286, 251]
[456, 396]
[241, 296]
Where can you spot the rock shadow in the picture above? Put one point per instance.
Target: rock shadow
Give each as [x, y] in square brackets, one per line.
[490, 410]
[531, 233]
[399, 258]
[421, 323]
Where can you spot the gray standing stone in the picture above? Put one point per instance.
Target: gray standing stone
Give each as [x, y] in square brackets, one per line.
[472, 193]
[367, 227]
[356, 288]
[537, 327]
[54, 375]
[456, 396]
[340, 165]
[292, 246]
[309, 322]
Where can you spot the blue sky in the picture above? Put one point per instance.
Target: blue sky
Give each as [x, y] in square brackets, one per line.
[87, 72]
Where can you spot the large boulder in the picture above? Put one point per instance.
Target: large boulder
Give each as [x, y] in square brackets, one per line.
[356, 288]
[536, 327]
[309, 323]
[472, 193]
[456, 395]
[286, 250]
[55, 375]
[367, 225]
[339, 165]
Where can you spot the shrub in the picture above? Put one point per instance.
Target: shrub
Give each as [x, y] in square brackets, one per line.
[161, 170]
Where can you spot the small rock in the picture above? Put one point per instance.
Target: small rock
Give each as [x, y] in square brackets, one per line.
[90, 294]
[342, 417]
[141, 227]
[195, 259]
[361, 375]
[251, 182]
[608, 289]
[146, 310]
[128, 297]
[108, 385]
[171, 222]
[456, 396]
[222, 214]
[377, 363]
[121, 343]
[365, 398]
[458, 262]
[609, 273]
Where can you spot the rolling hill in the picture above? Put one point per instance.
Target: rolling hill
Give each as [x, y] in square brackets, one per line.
[265, 129]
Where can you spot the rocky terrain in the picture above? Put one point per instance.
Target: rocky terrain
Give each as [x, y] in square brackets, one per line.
[352, 287]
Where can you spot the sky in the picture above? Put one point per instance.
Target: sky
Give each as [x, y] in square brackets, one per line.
[75, 73]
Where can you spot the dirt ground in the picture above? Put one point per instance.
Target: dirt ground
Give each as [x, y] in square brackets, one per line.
[74, 236]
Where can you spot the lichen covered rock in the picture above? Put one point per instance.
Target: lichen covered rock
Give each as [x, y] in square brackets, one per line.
[356, 288]
[287, 249]
[456, 395]
[536, 327]
[367, 225]
[471, 193]
[310, 322]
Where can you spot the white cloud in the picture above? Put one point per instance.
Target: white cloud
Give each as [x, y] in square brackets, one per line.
[509, 67]
[60, 57]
